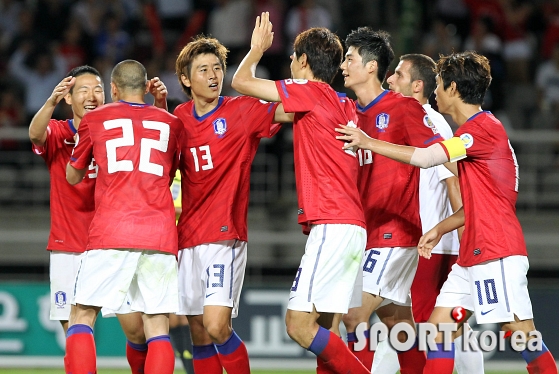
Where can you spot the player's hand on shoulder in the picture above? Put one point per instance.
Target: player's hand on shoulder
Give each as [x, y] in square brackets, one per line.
[427, 242]
[353, 137]
[61, 90]
[262, 35]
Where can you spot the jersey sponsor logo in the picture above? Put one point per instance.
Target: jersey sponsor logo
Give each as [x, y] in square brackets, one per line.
[210, 294]
[224, 228]
[300, 211]
[467, 139]
[69, 143]
[382, 121]
[489, 311]
[263, 101]
[387, 235]
[220, 126]
[60, 298]
[477, 251]
[427, 122]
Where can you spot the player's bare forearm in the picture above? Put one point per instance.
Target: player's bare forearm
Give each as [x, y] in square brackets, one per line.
[244, 80]
[282, 117]
[39, 123]
[453, 167]
[73, 175]
[453, 188]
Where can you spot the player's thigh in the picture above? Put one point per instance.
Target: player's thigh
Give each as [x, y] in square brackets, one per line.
[104, 277]
[328, 271]
[388, 272]
[456, 290]
[62, 272]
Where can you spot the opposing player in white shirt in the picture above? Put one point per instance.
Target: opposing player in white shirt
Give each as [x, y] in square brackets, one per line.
[439, 197]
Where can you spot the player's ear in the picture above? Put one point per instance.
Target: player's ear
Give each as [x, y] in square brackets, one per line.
[417, 86]
[185, 80]
[68, 98]
[452, 89]
[303, 60]
[372, 66]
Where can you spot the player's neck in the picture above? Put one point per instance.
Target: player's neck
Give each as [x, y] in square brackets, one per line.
[132, 98]
[203, 105]
[461, 112]
[366, 93]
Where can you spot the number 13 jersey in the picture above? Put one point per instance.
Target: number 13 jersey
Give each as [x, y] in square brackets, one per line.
[137, 148]
[216, 158]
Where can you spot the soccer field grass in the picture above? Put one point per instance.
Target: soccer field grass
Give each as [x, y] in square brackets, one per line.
[112, 371]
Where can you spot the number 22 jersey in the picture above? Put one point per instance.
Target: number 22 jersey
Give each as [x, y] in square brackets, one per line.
[216, 158]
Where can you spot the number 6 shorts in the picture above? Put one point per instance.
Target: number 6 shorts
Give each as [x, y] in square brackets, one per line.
[495, 290]
[211, 274]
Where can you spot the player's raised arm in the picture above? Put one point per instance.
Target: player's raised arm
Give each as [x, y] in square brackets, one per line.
[157, 88]
[244, 80]
[432, 237]
[39, 123]
[421, 157]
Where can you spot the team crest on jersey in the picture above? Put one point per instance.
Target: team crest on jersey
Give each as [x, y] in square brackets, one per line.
[382, 121]
[220, 126]
[60, 298]
[467, 139]
[427, 122]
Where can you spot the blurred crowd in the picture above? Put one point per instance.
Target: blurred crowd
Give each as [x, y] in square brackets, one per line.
[40, 40]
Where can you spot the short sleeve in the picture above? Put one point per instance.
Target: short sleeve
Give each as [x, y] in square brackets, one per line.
[259, 116]
[297, 95]
[420, 130]
[477, 141]
[83, 150]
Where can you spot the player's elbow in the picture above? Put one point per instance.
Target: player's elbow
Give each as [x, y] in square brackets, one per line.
[241, 83]
[73, 176]
[36, 138]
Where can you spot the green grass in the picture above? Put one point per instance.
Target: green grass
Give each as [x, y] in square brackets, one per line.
[114, 371]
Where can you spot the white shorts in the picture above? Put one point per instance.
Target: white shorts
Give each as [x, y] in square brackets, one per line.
[329, 269]
[211, 274]
[388, 272]
[111, 277]
[496, 290]
[63, 269]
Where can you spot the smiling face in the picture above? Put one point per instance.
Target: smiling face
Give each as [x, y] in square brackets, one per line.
[401, 81]
[86, 95]
[206, 77]
[353, 70]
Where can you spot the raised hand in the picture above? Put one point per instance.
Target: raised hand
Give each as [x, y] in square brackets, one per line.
[262, 35]
[61, 90]
[159, 91]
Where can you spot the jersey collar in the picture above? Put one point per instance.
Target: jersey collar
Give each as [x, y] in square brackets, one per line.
[203, 117]
[133, 104]
[71, 126]
[477, 114]
[376, 100]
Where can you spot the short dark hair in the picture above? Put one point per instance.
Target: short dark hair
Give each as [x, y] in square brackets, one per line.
[471, 73]
[324, 52]
[81, 70]
[372, 46]
[200, 45]
[129, 75]
[422, 69]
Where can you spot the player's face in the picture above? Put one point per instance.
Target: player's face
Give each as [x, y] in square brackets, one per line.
[441, 96]
[353, 70]
[295, 66]
[87, 94]
[400, 81]
[206, 77]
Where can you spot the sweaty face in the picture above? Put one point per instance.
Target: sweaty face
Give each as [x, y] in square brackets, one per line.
[206, 77]
[87, 94]
[353, 70]
[401, 81]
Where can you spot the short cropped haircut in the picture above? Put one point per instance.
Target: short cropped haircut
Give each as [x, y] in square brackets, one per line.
[129, 75]
[324, 52]
[199, 46]
[471, 73]
[81, 70]
[372, 46]
[422, 69]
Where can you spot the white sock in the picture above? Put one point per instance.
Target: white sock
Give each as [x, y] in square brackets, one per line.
[470, 361]
[385, 360]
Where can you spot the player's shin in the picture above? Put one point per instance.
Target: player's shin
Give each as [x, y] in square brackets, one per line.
[206, 360]
[365, 355]
[539, 361]
[440, 361]
[136, 355]
[233, 355]
[161, 357]
[80, 350]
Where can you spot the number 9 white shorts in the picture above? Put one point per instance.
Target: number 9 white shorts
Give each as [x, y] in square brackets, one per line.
[110, 277]
[211, 274]
[495, 290]
[329, 269]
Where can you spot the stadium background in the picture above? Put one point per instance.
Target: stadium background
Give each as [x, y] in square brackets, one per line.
[40, 40]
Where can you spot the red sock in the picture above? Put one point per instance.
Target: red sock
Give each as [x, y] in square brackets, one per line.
[136, 355]
[366, 355]
[412, 361]
[160, 356]
[206, 360]
[80, 350]
[335, 353]
[540, 362]
[321, 367]
[233, 355]
[66, 365]
[439, 361]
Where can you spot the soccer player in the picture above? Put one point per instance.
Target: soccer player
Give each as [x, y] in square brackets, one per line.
[439, 197]
[389, 192]
[223, 137]
[132, 240]
[489, 277]
[329, 205]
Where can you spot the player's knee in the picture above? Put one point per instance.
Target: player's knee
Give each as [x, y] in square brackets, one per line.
[136, 336]
[219, 331]
[351, 320]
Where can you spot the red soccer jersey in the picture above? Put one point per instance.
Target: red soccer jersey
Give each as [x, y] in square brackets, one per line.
[390, 189]
[325, 174]
[489, 188]
[215, 164]
[136, 147]
[71, 207]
